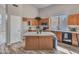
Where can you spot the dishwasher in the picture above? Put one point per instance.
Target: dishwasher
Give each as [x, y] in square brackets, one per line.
[67, 38]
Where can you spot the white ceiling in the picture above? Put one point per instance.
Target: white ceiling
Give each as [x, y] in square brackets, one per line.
[41, 5]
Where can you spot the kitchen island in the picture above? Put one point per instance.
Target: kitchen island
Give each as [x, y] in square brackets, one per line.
[41, 41]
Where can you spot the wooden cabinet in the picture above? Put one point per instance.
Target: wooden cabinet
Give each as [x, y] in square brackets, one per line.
[59, 36]
[24, 19]
[44, 20]
[72, 20]
[39, 42]
[77, 19]
[74, 39]
[34, 22]
[35, 42]
[31, 42]
[45, 42]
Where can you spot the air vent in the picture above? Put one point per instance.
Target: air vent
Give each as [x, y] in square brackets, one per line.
[15, 5]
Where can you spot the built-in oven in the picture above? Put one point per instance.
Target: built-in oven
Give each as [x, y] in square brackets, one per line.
[67, 38]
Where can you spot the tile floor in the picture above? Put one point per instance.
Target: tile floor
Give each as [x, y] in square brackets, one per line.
[17, 48]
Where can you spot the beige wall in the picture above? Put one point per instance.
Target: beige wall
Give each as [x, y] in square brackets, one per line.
[17, 11]
[59, 9]
[30, 11]
[2, 8]
[23, 10]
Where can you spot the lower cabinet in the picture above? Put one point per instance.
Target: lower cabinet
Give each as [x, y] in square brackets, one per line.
[59, 36]
[74, 39]
[39, 42]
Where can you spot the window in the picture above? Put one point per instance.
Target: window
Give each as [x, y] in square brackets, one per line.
[59, 22]
[54, 22]
[63, 22]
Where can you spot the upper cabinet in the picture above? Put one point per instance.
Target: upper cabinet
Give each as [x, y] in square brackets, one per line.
[44, 20]
[73, 19]
[34, 22]
[77, 19]
[30, 21]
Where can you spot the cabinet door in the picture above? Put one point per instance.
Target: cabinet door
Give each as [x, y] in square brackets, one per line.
[45, 42]
[34, 22]
[74, 39]
[72, 20]
[77, 19]
[31, 42]
[59, 36]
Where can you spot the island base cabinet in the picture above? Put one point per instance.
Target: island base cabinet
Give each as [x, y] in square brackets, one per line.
[45, 43]
[38, 43]
[31, 43]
